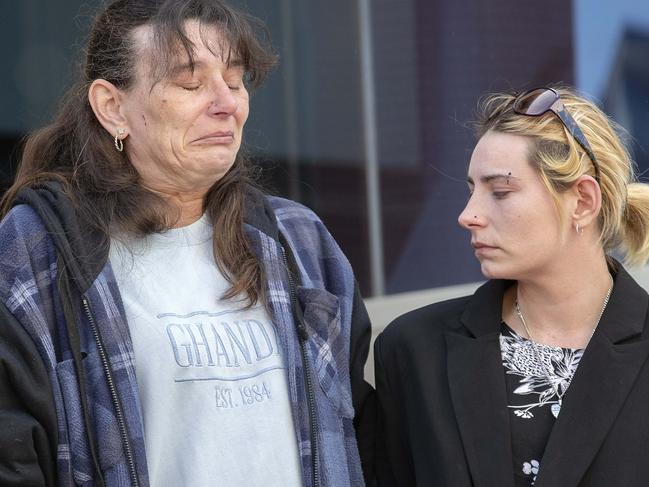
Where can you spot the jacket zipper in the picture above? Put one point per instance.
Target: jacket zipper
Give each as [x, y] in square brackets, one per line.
[313, 420]
[113, 394]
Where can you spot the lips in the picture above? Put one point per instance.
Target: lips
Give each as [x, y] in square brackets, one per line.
[219, 137]
[482, 248]
[480, 245]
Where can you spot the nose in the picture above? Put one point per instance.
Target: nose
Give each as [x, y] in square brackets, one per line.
[471, 217]
[223, 100]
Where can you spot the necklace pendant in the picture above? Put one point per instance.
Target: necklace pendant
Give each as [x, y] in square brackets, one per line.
[555, 409]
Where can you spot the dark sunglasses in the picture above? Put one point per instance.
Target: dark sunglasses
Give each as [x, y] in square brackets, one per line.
[538, 101]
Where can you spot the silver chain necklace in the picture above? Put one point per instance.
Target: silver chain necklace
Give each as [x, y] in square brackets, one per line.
[556, 408]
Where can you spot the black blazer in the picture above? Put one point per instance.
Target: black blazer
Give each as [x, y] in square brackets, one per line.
[443, 418]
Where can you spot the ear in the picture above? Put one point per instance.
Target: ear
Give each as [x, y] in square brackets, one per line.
[106, 102]
[588, 201]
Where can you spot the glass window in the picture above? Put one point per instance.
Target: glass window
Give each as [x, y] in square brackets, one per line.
[366, 119]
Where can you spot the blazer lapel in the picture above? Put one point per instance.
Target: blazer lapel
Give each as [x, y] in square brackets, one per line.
[478, 391]
[599, 388]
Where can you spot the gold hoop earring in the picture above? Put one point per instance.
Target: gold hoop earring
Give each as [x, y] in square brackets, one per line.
[119, 143]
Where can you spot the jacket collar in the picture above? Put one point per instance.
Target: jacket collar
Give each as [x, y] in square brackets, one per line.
[258, 213]
[606, 375]
[622, 320]
[484, 311]
[625, 314]
[477, 384]
[84, 251]
[604, 379]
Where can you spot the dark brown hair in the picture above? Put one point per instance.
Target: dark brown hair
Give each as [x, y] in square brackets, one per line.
[102, 184]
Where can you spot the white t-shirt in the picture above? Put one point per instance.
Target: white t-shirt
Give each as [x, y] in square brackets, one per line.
[212, 379]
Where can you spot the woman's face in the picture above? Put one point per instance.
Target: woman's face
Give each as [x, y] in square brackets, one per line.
[514, 224]
[185, 130]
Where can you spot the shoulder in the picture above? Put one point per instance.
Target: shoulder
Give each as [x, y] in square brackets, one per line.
[286, 209]
[302, 227]
[22, 221]
[321, 261]
[22, 234]
[433, 318]
[27, 258]
[423, 325]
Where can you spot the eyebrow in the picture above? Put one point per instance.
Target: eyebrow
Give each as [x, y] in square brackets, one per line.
[187, 67]
[491, 177]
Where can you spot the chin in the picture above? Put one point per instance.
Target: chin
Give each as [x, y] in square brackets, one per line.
[492, 270]
[216, 167]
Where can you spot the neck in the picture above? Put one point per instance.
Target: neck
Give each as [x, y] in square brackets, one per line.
[560, 310]
[187, 206]
[190, 210]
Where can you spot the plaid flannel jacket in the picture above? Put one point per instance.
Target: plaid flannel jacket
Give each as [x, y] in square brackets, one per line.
[28, 288]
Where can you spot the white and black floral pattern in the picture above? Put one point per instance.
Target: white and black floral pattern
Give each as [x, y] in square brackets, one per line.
[543, 372]
[533, 375]
[531, 469]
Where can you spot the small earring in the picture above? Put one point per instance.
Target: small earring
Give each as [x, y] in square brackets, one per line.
[119, 144]
[578, 229]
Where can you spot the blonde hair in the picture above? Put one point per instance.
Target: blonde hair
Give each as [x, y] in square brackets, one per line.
[560, 160]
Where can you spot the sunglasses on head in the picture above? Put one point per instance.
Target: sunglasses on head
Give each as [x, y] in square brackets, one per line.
[538, 101]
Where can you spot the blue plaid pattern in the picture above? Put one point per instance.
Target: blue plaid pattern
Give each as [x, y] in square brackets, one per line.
[28, 288]
[326, 296]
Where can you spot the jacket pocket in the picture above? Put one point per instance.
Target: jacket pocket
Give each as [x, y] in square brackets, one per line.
[328, 346]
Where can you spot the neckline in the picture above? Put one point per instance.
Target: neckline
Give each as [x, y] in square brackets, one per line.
[518, 336]
[196, 233]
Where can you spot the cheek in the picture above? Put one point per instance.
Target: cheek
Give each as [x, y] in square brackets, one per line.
[152, 120]
[509, 218]
[244, 117]
[168, 125]
[544, 232]
[243, 110]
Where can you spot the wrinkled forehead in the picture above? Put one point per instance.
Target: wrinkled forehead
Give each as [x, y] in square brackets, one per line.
[160, 52]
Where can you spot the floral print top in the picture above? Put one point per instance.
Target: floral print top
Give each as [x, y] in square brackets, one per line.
[536, 381]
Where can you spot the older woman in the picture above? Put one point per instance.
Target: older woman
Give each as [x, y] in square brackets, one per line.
[541, 377]
[164, 322]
